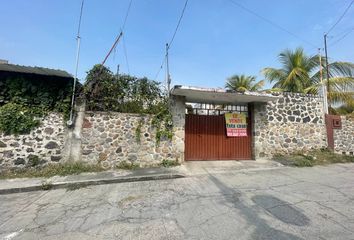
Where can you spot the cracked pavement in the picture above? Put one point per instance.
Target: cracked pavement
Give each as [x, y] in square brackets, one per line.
[283, 203]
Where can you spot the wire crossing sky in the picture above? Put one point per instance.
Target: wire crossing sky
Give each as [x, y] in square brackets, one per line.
[216, 38]
[171, 41]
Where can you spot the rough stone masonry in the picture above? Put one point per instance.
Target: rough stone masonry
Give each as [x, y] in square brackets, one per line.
[41, 146]
[344, 137]
[293, 123]
[111, 138]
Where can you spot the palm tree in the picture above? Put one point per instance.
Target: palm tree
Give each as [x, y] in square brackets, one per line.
[301, 73]
[243, 83]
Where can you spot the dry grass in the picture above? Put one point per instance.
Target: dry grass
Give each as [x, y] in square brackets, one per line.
[315, 157]
[51, 170]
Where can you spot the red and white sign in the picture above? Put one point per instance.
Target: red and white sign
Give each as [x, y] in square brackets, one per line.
[236, 124]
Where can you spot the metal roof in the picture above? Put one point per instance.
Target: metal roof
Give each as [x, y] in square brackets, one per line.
[220, 96]
[34, 70]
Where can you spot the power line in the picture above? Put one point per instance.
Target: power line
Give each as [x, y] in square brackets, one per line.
[341, 38]
[179, 22]
[126, 15]
[173, 37]
[272, 23]
[160, 68]
[341, 17]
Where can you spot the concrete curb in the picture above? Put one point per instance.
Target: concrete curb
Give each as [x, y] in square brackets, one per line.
[79, 184]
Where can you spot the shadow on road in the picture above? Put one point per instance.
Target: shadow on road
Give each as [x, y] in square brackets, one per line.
[281, 210]
[262, 228]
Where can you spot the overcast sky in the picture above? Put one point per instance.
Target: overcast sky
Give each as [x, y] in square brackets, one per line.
[216, 38]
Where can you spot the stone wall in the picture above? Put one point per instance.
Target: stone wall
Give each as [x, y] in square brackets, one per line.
[293, 123]
[111, 138]
[178, 111]
[42, 145]
[344, 137]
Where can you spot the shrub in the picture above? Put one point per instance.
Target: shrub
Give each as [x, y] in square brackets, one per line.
[50, 170]
[304, 163]
[127, 165]
[46, 93]
[169, 163]
[105, 91]
[17, 119]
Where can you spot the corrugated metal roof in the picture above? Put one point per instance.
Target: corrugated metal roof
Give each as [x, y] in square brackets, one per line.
[34, 70]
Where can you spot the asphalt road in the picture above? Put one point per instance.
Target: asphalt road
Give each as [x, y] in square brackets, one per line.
[284, 203]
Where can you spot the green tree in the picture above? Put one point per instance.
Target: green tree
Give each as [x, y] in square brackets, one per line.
[105, 91]
[243, 83]
[301, 73]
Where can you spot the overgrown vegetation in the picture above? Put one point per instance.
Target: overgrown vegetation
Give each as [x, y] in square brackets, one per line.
[24, 100]
[46, 186]
[162, 121]
[169, 163]
[315, 157]
[127, 166]
[105, 91]
[138, 131]
[52, 170]
[17, 119]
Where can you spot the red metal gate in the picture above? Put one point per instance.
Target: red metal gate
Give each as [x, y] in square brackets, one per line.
[205, 139]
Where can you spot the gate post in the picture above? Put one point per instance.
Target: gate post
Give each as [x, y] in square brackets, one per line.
[332, 122]
[178, 112]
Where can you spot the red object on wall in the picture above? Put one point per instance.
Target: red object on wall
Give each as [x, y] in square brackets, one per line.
[332, 122]
[86, 124]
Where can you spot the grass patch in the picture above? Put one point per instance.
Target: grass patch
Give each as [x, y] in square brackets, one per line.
[46, 186]
[127, 166]
[51, 170]
[169, 163]
[312, 158]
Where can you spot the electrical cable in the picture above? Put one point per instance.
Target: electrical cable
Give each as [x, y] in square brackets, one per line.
[173, 37]
[272, 23]
[179, 22]
[340, 18]
[342, 37]
[126, 15]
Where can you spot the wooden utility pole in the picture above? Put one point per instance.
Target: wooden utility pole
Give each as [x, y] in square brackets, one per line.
[168, 77]
[323, 86]
[327, 71]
